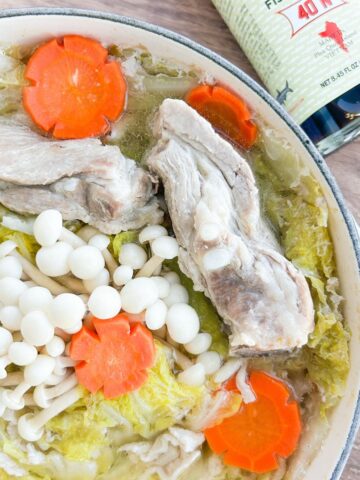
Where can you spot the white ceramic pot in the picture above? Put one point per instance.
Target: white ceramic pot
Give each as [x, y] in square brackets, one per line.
[34, 25]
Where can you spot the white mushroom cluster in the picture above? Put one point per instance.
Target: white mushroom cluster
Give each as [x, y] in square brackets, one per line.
[76, 277]
[32, 319]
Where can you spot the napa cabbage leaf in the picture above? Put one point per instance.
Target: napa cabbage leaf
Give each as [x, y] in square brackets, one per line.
[121, 238]
[293, 202]
[79, 432]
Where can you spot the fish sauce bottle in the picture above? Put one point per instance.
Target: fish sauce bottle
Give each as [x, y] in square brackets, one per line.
[307, 53]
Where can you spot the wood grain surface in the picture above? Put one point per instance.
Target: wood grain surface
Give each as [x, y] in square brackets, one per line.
[199, 20]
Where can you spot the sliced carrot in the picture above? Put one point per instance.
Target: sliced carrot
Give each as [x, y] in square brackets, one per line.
[261, 431]
[74, 91]
[225, 111]
[115, 356]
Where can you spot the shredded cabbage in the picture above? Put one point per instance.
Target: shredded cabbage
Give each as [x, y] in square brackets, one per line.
[27, 244]
[296, 207]
[11, 81]
[213, 409]
[19, 456]
[160, 403]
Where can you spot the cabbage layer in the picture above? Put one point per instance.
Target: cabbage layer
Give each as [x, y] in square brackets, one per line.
[295, 206]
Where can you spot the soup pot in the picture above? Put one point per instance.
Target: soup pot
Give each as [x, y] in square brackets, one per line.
[36, 25]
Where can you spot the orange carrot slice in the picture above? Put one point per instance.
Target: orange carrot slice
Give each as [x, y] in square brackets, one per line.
[261, 431]
[115, 356]
[225, 111]
[74, 90]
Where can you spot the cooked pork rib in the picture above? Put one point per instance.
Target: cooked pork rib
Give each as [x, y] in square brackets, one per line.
[83, 179]
[226, 248]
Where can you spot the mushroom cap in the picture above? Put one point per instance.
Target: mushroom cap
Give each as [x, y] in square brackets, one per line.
[104, 302]
[163, 286]
[86, 262]
[165, 247]
[10, 317]
[102, 278]
[39, 370]
[172, 277]
[48, 227]
[132, 255]
[6, 339]
[7, 247]
[155, 315]
[193, 376]
[4, 362]
[36, 328]
[55, 347]
[200, 344]
[10, 267]
[151, 232]
[34, 298]
[22, 353]
[138, 294]
[26, 429]
[74, 328]
[99, 241]
[66, 310]
[53, 261]
[211, 362]
[177, 294]
[11, 401]
[10, 290]
[182, 322]
[123, 274]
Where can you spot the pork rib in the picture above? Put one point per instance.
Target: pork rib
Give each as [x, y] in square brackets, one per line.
[226, 247]
[84, 179]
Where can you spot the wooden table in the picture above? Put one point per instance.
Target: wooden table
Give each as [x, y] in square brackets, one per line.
[199, 20]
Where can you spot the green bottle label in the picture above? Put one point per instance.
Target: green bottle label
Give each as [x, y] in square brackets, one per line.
[307, 52]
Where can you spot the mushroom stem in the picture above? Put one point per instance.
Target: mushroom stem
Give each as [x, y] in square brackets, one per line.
[62, 387]
[55, 379]
[14, 399]
[12, 379]
[4, 362]
[161, 332]
[30, 427]
[58, 405]
[150, 266]
[171, 341]
[109, 261]
[17, 337]
[73, 284]
[20, 390]
[180, 359]
[242, 385]
[65, 362]
[29, 400]
[42, 395]
[69, 237]
[62, 363]
[38, 277]
[86, 232]
[62, 334]
[227, 370]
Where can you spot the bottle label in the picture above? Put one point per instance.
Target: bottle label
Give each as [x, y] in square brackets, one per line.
[307, 52]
